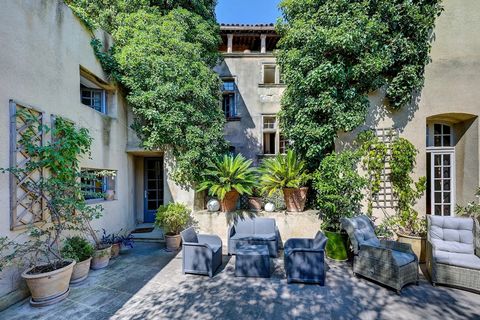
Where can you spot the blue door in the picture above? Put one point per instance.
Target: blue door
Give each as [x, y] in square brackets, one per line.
[153, 188]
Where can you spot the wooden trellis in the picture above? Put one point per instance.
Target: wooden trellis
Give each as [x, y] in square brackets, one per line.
[385, 197]
[25, 207]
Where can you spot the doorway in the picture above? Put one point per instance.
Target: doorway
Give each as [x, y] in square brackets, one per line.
[153, 188]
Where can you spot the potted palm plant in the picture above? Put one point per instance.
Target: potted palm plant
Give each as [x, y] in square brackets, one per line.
[173, 218]
[228, 178]
[286, 173]
[338, 188]
[78, 249]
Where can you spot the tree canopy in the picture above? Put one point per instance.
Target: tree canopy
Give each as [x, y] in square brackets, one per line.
[164, 55]
[334, 53]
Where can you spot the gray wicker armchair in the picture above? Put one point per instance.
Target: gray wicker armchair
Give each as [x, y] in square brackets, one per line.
[389, 262]
[453, 251]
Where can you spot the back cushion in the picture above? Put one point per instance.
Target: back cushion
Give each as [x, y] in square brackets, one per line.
[318, 242]
[244, 226]
[264, 225]
[189, 235]
[452, 234]
[364, 232]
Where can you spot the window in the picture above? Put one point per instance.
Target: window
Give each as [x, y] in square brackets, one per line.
[96, 183]
[229, 99]
[94, 98]
[271, 74]
[273, 141]
[442, 135]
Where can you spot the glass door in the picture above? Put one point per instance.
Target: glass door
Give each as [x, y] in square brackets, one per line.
[442, 181]
[153, 188]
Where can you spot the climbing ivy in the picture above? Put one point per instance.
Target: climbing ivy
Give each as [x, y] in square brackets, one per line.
[334, 53]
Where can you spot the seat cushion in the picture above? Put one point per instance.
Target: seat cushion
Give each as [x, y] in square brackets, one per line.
[264, 237]
[189, 235]
[264, 225]
[462, 260]
[402, 258]
[452, 234]
[244, 226]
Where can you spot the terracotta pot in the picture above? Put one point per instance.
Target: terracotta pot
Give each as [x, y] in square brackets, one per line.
[418, 245]
[295, 198]
[255, 203]
[101, 257]
[115, 250]
[49, 287]
[229, 203]
[80, 271]
[173, 242]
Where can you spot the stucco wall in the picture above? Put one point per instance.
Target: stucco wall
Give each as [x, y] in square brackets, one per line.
[43, 47]
[452, 82]
[254, 100]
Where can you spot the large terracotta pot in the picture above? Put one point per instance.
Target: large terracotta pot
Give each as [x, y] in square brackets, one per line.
[255, 203]
[101, 257]
[229, 203]
[80, 271]
[418, 245]
[115, 250]
[295, 198]
[173, 241]
[49, 287]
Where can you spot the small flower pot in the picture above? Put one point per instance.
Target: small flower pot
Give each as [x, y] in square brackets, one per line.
[255, 203]
[49, 287]
[295, 198]
[115, 250]
[229, 203]
[418, 245]
[173, 241]
[101, 257]
[80, 271]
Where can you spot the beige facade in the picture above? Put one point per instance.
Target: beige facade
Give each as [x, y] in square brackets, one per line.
[450, 99]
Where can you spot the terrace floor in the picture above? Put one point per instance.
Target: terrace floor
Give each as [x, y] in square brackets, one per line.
[147, 283]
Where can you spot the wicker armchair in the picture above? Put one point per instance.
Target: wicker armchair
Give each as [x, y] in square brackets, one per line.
[389, 262]
[453, 251]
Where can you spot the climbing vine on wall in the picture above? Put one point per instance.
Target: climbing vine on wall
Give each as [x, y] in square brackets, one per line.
[334, 53]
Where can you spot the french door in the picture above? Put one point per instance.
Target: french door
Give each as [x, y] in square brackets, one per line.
[441, 180]
[153, 187]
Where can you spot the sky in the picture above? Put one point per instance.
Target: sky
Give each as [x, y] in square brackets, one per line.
[247, 11]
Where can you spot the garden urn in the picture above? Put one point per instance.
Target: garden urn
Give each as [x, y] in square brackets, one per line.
[173, 242]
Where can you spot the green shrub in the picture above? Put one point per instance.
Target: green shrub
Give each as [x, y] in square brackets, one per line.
[227, 174]
[77, 248]
[338, 188]
[173, 218]
[283, 171]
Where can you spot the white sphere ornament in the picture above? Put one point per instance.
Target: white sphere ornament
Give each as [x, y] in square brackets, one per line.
[213, 205]
[269, 207]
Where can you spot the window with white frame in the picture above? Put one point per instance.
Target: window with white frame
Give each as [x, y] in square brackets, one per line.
[98, 183]
[93, 95]
[273, 141]
[440, 169]
[271, 74]
[229, 105]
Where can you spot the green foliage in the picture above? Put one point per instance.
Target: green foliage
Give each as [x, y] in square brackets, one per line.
[60, 189]
[229, 173]
[338, 188]
[283, 171]
[334, 53]
[164, 55]
[374, 155]
[406, 190]
[173, 218]
[77, 248]
[472, 209]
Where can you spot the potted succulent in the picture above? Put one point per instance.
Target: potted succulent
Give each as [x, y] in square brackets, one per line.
[409, 226]
[255, 201]
[172, 218]
[338, 188]
[78, 249]
[228, 178]
[286, 173]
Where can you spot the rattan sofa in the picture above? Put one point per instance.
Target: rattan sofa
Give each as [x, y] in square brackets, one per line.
[389, 262]
[453, 251]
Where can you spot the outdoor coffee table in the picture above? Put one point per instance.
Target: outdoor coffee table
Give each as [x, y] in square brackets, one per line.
[252, 261]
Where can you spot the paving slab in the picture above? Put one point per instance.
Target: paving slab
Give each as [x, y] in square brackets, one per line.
[147, 283]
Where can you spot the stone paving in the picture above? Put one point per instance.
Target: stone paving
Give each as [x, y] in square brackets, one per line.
[147, 283]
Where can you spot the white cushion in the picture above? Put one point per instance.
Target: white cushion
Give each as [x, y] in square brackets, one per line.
[462, 260]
